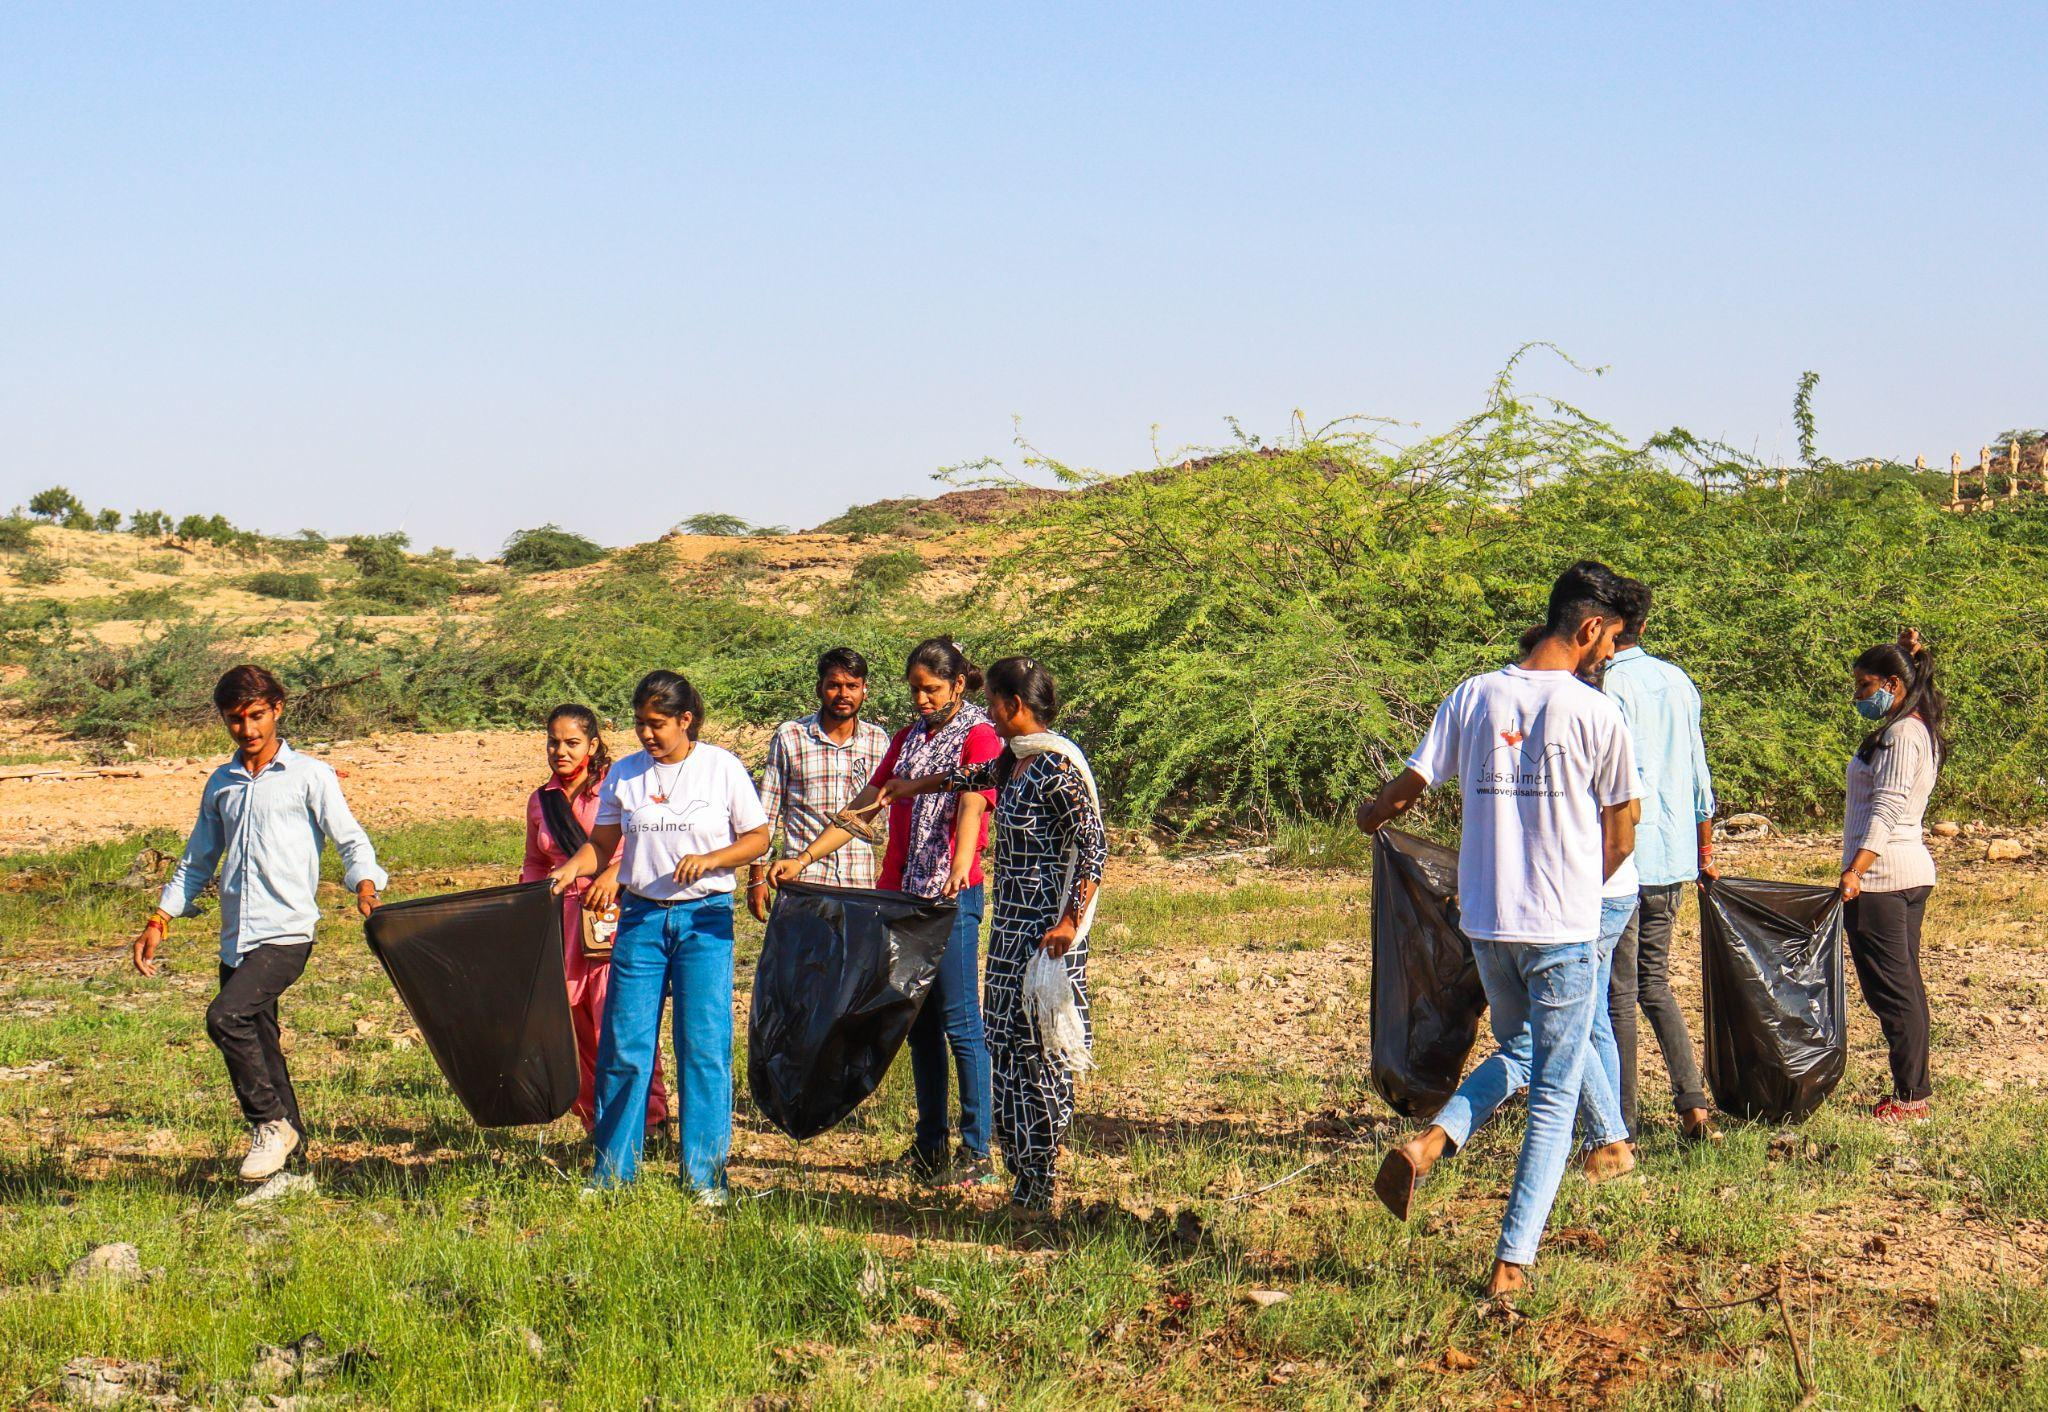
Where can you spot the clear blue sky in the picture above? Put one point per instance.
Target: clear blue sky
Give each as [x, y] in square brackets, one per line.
[465, 269]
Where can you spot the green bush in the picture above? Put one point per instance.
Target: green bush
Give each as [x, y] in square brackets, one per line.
[410, 587]
[151, 605]
[215, 529]
[28, 625]
[376, 553]
[99, 692]
[877, 518]
[16, 535]
[306, 544]
[149, 524]
[146, 605]
[107, 521]
[535, 551]
[882, 575]
[1267, 632]
[391, 580]
[275, 583]
[733, 569]
[37, 570]
[162, 564]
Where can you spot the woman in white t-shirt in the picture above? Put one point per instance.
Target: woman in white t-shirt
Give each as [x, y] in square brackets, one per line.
[687, 815]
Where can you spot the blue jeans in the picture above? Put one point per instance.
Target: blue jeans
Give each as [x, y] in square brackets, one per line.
[1600, 1089]
[1540, 1000]
[684, 950]
[1506, 1070]
[949, 1024]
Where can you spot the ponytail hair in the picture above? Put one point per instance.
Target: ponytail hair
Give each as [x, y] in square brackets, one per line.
[671, 694]
[942, 657]
[600, 754]
[1912, 662]
[1025, 679]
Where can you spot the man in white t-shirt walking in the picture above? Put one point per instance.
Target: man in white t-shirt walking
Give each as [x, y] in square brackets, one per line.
[1547, 775]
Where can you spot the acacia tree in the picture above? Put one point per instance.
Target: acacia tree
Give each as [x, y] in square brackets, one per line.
[55, 504]
[712, 522]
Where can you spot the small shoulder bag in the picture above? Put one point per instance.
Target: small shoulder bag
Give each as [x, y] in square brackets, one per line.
[560, 816]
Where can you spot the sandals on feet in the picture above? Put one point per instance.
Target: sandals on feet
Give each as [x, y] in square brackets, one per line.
[1395, 1184]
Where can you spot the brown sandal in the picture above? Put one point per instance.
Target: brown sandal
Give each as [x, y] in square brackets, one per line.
[1395, 1184]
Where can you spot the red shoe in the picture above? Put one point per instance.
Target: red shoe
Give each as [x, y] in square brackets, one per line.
[1896, 1110]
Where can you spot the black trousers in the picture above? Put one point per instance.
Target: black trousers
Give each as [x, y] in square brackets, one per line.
[1884, 942]
[1642, 976]
[242, 1021]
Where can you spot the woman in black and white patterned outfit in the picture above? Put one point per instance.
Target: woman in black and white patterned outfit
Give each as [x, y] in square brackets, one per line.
[1050, 855]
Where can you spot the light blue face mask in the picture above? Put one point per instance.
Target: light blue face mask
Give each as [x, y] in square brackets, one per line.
[1876, 706]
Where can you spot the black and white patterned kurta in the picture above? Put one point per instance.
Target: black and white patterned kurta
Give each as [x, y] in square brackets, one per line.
[1042, 812]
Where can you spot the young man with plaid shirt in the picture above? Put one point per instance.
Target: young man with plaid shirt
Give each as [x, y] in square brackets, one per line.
[815, 768]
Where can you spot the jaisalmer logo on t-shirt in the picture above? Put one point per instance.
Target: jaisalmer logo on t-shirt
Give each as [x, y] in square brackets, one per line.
[661, 816]
[1526, 773]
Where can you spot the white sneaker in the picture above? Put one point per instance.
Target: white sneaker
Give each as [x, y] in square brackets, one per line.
[269, 1146]
[712, 1197]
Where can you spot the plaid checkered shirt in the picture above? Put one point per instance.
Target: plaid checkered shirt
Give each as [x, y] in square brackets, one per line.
[808, 779]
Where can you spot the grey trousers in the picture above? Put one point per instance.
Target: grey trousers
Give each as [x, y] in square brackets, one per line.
[1642, 975]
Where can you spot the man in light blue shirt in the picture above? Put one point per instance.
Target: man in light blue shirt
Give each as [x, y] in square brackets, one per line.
[263, 820]
[1674, 846]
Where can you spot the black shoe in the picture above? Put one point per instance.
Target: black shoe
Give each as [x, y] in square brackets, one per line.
[919, 1165]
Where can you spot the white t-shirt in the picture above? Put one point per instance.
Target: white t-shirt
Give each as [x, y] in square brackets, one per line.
[667, 812]
[1626, 882]
[1538, 755]
[1628, 879]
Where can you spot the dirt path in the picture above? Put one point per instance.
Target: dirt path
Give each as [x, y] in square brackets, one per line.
[388, 779]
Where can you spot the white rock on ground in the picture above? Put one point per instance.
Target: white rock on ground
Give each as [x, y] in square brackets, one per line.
[118, 1263]
[282, 1185]
[109, 1382]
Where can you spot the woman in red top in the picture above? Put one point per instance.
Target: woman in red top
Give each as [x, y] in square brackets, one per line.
[577, 761]
[935, 847]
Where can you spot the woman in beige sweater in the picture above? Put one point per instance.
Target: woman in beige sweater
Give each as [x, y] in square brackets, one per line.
[1887, 872]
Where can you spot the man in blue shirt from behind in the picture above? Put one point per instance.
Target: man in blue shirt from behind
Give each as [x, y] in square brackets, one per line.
[1674, 846]
[262, 821]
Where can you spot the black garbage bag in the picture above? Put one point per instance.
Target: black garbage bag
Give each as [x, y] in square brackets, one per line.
[1426, 997]
[481, 973]
[1776, 998]
[841, 976]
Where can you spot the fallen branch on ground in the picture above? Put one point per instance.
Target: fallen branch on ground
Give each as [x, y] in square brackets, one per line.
[1775, 1295]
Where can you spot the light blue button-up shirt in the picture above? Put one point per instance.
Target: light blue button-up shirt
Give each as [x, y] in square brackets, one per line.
[264, 834]
[1662, 708]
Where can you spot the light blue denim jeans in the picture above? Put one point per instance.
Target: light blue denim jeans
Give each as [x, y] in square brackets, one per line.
[1506, 1070]
[1600, 1088]
[681, 951]
[1541, 1001]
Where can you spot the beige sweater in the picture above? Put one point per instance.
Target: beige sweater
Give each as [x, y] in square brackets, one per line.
[1887, 801]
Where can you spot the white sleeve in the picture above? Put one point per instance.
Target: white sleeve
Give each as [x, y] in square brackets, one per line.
[1615, 779]
[747, 813]
[1436, 759]
[609, 811]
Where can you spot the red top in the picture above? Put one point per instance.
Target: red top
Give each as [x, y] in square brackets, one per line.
[982, 744]
[543, 854]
